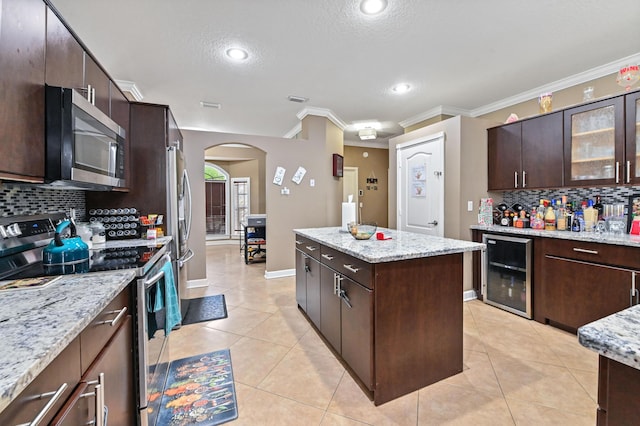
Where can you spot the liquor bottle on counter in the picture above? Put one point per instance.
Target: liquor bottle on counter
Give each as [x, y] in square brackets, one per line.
[561, 219]
[550, 219]
[598, 206]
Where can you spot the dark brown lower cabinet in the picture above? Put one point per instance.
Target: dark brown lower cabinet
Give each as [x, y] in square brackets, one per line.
[618, 390]
[330, 318]
[357, 329]
[396, 326]
[106, 387]
[578, 292]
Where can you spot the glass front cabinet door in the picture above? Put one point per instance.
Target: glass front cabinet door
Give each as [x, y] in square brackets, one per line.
[632, 164]
[594, 144]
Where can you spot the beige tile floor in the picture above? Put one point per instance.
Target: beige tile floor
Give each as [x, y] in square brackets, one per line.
[516, 371]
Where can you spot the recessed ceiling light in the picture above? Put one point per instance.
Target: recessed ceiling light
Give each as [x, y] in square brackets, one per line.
[401, 88]
[372, 7]
[237, 54]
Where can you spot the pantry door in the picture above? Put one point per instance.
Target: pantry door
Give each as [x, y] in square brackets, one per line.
[421, 185]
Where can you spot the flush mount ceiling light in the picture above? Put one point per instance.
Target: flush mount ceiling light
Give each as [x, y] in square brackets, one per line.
[366, 134]
[373, 7]
[401, 88]
[237, 54]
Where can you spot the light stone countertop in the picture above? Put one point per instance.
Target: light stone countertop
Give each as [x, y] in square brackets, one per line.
[36, 325]
[616, 337]
[589, 237]
[402, 245]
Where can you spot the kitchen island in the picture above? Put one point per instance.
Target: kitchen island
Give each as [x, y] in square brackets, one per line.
[391, 310]
[617, 339]
[39, 326]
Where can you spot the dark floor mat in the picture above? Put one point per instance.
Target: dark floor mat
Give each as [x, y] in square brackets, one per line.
[207, 308]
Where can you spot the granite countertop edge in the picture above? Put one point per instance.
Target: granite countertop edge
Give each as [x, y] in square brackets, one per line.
[588, 237]
[402, 245]
[67, 305]
[616, 336]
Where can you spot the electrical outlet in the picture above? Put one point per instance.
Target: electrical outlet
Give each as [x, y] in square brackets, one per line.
[469, 206]
[312, 182]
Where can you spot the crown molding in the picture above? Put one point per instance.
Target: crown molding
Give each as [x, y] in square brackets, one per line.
[291, 134]
[322, 112]
[565, 83]
[130, 86]
[439, 110]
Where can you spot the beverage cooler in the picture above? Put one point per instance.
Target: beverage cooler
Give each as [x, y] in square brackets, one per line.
[506, 274]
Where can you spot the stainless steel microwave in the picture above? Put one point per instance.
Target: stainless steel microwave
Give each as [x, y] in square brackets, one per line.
[85, 149]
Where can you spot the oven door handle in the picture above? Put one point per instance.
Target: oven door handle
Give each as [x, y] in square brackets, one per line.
[154, 279]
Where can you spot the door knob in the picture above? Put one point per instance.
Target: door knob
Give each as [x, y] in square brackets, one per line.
[434, 223]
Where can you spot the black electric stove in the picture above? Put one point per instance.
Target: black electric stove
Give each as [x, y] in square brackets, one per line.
[23, 238]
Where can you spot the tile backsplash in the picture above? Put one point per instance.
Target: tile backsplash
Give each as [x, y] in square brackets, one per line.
[24, 199]
[529, 198]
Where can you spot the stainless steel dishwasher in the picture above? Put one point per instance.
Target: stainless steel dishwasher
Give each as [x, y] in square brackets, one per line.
[506, 274]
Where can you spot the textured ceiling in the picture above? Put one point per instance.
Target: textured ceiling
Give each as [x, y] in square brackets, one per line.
[456, 53]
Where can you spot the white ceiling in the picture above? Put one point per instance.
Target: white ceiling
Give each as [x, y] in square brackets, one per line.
[464, 54]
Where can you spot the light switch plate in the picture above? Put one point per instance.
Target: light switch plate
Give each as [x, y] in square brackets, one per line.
[469, 206]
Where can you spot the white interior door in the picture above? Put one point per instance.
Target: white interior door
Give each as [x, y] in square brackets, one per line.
[350, 186]
[421, 185]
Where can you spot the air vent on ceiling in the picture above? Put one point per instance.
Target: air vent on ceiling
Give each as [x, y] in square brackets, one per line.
[206, 104]
[298, 99]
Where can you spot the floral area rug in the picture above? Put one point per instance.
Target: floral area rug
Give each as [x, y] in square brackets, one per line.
[199, 391]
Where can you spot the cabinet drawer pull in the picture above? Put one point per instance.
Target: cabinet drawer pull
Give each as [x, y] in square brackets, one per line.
[580, 250]
[327, 256]
[312, 248]
[298, 242]
[351, 268]
[55, 396]
[114, 321]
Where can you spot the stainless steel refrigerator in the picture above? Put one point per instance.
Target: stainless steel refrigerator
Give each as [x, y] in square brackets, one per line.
[179, 220]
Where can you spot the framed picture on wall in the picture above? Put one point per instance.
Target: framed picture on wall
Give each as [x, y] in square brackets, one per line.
[338, 165]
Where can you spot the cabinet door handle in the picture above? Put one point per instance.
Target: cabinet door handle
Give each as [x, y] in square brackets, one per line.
[327, 256]
[515, 179]
[312, 248]
[55, 396]
[617, 172]
[628, 171]
[581, 250]
[351, 268]
[524, 179]
[634, 291]
[113, 322]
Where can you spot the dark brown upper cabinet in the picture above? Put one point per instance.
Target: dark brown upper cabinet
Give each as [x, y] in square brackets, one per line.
[594, 144]
[632, 137]
[526, 154]
[22, 65]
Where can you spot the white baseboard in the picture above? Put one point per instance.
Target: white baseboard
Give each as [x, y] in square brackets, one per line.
[469, 295]
[279, 274]
[197, 283]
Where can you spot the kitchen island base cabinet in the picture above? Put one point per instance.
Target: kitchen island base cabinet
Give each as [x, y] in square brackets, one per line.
[397, 325]
[618, 390]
